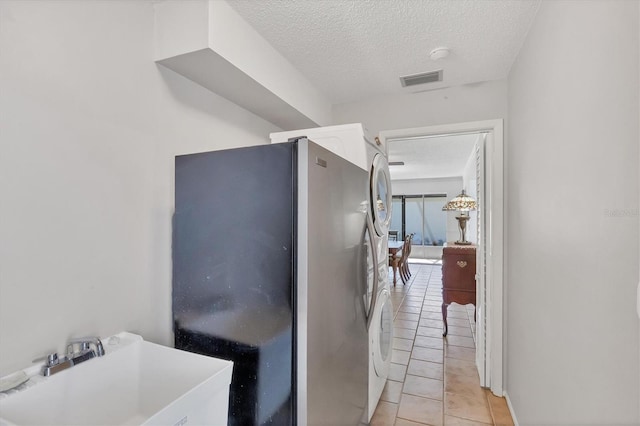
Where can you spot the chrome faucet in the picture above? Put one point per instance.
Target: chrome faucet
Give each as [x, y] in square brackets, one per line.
[55, 364]
[85, 345]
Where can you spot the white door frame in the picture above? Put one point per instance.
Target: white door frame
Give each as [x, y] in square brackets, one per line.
[494, 183]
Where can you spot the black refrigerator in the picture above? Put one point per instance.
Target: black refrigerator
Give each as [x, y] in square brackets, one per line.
[269, 271]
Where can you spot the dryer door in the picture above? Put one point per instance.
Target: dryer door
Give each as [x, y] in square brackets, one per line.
[369, 259]
[384, 334]
[380, 194]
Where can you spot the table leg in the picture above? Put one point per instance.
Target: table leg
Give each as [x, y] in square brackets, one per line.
[394, 266]
[444, 318]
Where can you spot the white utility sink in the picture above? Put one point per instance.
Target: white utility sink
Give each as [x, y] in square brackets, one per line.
[135, 382]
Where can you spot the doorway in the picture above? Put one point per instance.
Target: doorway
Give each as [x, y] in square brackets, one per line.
[490, 294]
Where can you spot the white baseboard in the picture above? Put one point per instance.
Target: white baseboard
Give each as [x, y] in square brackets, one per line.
[513, 414]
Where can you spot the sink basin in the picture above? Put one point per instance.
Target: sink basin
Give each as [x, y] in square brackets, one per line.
[135, 382]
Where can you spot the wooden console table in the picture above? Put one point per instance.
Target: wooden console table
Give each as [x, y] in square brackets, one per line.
[458, 277]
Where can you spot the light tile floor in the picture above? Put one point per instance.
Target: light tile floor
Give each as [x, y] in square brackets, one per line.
[434, 380]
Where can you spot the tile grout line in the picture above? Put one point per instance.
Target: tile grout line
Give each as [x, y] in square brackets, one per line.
[424, 296]
[444, 358]
[405, 296]
[444, 366]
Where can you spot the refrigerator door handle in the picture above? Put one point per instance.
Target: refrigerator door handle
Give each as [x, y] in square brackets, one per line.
[376, 277]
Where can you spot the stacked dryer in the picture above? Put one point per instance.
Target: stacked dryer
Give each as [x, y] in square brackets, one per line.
[352, 142]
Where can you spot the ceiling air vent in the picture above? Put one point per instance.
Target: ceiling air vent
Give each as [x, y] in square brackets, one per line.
[426, 77]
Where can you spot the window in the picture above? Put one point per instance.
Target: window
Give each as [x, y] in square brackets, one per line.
[422, 216]
[396, 217]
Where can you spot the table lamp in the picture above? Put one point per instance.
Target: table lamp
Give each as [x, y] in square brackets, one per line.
[463, 204]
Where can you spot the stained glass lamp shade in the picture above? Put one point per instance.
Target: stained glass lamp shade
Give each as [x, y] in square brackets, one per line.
[462, 203]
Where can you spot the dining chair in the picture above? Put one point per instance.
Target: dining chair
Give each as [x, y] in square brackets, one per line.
[405, 272]
[402, 263]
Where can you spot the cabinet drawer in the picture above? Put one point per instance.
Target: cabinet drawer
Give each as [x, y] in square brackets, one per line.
[459, 296]
[459, 272]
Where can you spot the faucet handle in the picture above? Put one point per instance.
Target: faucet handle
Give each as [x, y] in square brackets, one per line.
[86, 342]
[52, 359]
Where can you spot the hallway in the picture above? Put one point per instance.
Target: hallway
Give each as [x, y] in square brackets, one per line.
[434, 380]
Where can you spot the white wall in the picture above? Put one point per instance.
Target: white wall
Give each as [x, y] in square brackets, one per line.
[208, 42]
[449, 186]
[472, 102]
[89, 129]
[234, 39]
[572, 206]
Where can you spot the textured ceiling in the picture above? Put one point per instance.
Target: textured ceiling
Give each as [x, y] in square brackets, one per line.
[357, 49]
[433, 157]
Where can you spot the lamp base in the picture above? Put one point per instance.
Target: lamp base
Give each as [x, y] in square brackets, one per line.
[462, 223]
